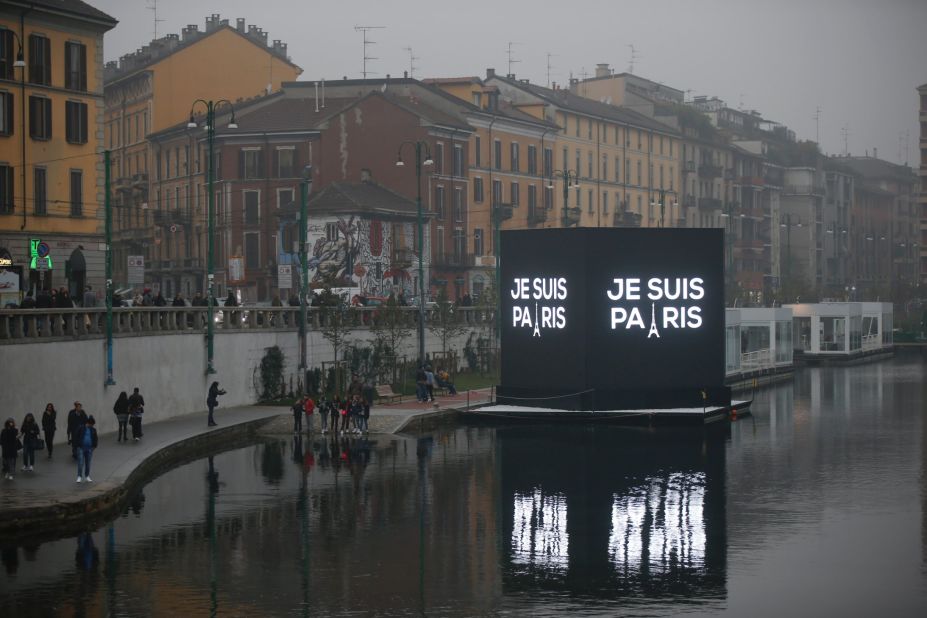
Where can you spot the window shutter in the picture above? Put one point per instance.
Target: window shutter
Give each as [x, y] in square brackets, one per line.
[83, 71]
[260, 164]
[8, 112]
[241, 163]
[68, 49]
[46, 66]
[83, 123]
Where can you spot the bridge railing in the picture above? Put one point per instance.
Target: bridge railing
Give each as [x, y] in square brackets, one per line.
[20, 325]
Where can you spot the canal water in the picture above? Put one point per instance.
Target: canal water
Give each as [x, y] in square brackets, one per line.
[812, 506]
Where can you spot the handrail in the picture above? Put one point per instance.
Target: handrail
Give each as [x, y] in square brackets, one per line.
[23, 325]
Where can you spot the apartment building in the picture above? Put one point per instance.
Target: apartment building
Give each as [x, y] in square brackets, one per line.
[51, 168]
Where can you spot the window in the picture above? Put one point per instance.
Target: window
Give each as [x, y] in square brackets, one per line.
[589, 129]
[6, 113]
[477, 145]
[577, 126]
[6, 189]
[331, 232]
[460, 245]
[7, 54]
[617, 169]
[186, 157]
[75, 122]
[40, 118]
[565, 159]
[458, 160]
[548, 162]
[39, 191]
[589, 164]
[638, 173]
[77, 193]
[439, 202]
[458, 204]
[532, 160]
[604, 175]
[579, 198]
[513, 196]
[439, 240]
[496, 192]
[578, 161]
[639, 143]
[548, 197]
[167, 164]
[252, 207]
[478, 242]
[514, 162]
[39, 59]
[590, 201]
[75, 67]
[286, 162]
[176, 161]
[661, 176]
[439, 158]
[477, 189]
[532, 198]
[284, 197]
[250, 163]
[252, 250]
[604, 203]
[497, 155]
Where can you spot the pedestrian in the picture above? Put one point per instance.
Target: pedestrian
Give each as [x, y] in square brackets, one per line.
[230, 300]
[121, 410]
[159, 300]
[29, 432]
[430, 383]
[76, 420]
[87, 439]
[298, 411]
[343, 413]
[9, 447]
[421, 391]
[212, 401]
[178, 301]
[369, 392]
[443, 379]
[49, 425]
[90, 299]
[136, 409]
[324, 406]
[309, 409]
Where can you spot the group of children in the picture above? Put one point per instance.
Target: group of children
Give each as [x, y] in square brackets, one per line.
[351, 413]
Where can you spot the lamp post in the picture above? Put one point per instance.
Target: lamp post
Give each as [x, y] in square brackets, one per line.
[662, 202]
[305, 186]
[570, 216]
[729, 227]
[786, 222]
[20, 63]
[211, 107]
[420, 148]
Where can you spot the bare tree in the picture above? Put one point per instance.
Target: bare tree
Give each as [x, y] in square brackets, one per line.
[445, 321]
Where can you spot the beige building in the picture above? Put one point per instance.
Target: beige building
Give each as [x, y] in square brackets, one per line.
[922, 193]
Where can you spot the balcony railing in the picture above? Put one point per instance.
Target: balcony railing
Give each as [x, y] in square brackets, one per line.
[707, 170]
[537, 215]
[688, 166]
[626, 219]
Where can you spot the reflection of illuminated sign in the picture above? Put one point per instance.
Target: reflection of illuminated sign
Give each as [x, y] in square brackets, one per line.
[660, 526]
[539, 534]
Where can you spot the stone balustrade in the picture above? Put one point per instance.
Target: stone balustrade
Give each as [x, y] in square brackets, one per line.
[29, 325]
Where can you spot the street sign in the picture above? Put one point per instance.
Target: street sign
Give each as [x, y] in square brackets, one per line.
[284, 276]
[41, 263]
[236, 269]
[136, 269]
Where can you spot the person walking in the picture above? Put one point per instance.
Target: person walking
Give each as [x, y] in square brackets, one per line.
[121, 410]
[430, 383]
[9, 447]
[309, 409]
[355, 412]
[30, 437]
[212, 401]
[369, 392]
[77, 418]
[87, 439]
[324, 405]
[136, 409]
[49, 425]
[298, 411]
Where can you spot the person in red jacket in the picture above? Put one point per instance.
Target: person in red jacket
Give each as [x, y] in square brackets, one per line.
[309, 408]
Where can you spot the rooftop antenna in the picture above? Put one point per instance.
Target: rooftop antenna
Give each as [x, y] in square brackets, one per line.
[153, 7]
[817, 124]
[846, 139]
[412, 59]
[740, 104]
[511, 60]
[549, 67]
[685, 95]
[634, 57]
[365, 30]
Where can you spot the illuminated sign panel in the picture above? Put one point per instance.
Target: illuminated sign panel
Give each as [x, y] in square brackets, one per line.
[615, 317]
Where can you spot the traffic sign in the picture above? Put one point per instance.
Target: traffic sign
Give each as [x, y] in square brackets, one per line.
[284, 276]
[41, 263]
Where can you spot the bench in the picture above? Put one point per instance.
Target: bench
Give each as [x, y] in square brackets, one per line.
[385, 391]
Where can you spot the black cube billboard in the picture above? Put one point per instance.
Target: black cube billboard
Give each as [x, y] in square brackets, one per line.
[613, 319]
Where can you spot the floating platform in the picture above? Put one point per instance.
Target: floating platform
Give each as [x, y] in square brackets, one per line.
[708, 414]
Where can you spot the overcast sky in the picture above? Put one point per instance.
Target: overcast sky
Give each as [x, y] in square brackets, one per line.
[859, 61]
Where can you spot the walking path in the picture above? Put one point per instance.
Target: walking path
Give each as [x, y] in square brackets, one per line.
[50, 494]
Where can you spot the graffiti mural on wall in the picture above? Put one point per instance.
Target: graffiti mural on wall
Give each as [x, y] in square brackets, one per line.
[355, 252]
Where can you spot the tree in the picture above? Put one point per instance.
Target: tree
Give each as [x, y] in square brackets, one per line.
[335, 325]
[445, 321]
[391, 326]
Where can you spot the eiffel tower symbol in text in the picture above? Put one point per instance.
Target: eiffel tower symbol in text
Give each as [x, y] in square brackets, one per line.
[537, 327]
[653, 322]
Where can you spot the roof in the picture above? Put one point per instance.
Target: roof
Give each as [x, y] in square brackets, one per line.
[870, 167]
[70, 8]
[589, 107]
[367, 198]
[167, 46]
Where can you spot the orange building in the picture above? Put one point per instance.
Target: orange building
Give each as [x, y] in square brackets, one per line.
[155, 88]
[51, 177]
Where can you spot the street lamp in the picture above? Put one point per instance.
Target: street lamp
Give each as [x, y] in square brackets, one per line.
[662, 202]
[420, 148]
[786, 222]
[211, 107]
[570, 215]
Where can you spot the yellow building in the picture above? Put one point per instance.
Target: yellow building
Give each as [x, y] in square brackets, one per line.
[155, 88]
[51, 172]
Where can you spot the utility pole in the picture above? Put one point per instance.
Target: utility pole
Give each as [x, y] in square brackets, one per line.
[108, 230]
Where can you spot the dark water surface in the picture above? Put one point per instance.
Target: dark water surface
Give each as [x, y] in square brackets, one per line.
[814, 506]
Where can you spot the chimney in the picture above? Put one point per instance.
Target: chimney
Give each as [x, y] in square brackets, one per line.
[189, 32]
[602, 70]
[240, 24]
[510, 76]
[212, 22]
[490, 73]
[405, 74]
[875, 153]
[553, 85]
[574, 81]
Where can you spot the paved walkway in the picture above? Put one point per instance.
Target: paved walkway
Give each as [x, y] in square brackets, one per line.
[52, 483]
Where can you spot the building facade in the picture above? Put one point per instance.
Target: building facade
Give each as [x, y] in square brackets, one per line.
[51, 163]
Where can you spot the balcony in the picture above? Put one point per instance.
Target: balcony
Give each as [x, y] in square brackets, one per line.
[502, 210]
[729, 174]
[774, 180]
[571, 216]
[804, 190]
[751, 181]
[626, 219]
[537, 215]
[706, 170]
[139, 181]
[689, 201]
[193, 263]
[454, 260]
[688, 166]
[709, 203]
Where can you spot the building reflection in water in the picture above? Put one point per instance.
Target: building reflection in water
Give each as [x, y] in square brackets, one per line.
[615, 511]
